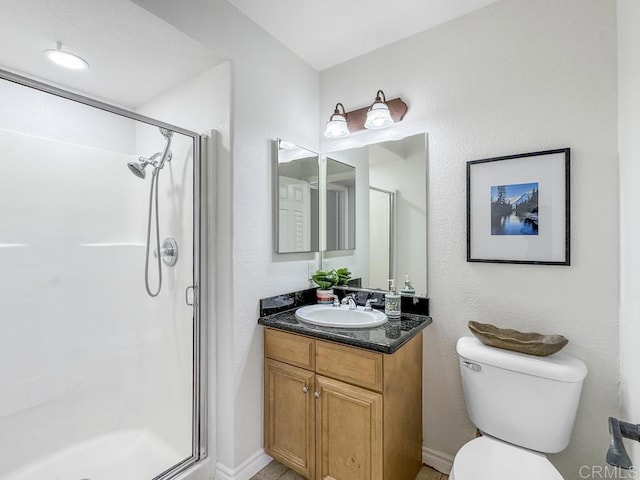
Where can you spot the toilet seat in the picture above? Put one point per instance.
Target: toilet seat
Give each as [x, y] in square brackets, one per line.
[487, 458]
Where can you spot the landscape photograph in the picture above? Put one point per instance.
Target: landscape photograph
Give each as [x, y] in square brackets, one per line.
[514, 209]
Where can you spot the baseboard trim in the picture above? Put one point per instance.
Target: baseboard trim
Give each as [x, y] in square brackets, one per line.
[438, 460]
[246, 469]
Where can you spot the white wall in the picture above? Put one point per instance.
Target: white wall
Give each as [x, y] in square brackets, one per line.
[629, 145]
[274, 94]
[514, 77]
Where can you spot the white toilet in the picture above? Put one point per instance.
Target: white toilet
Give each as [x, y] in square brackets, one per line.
[522, 404]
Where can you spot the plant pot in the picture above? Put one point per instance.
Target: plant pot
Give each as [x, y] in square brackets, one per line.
[324, 296]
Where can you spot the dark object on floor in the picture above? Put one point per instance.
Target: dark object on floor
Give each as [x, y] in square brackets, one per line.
[523, 342]
[617, 455]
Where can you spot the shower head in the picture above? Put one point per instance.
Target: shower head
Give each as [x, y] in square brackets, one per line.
[156, 160]
[137, 169]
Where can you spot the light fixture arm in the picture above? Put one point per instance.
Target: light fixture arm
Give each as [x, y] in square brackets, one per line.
[378, 99]
[337, 111]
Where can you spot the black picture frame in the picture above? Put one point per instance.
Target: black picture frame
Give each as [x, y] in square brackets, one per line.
[518, 208]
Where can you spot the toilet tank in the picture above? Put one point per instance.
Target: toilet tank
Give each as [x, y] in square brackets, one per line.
[522, 399]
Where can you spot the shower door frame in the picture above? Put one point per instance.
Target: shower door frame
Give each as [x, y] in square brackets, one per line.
[200, 440]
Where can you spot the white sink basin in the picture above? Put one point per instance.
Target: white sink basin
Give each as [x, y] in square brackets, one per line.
[341, 317]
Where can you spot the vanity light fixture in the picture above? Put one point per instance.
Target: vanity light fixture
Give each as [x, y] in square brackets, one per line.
[66, 59]
[380, 114]
[337, 124]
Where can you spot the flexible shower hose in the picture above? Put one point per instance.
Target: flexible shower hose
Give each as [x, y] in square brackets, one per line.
[154, 187]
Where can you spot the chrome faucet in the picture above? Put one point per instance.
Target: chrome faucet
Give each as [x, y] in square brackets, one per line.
[336, 301]
[617, 455]
[351, 301]
[367, 305]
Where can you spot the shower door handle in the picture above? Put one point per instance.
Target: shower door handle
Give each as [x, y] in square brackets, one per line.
[193, 295]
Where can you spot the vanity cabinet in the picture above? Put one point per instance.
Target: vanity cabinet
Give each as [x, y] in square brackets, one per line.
[335, 412]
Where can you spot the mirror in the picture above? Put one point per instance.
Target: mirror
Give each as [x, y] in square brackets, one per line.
[340, 206]
[296, 199]
[391, 205]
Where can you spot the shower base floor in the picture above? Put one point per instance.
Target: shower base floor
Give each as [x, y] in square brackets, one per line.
[123, 455]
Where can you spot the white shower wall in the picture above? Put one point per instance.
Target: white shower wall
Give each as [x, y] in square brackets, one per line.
[85, 351]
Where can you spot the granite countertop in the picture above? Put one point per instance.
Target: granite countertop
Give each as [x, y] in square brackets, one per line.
[386, 338]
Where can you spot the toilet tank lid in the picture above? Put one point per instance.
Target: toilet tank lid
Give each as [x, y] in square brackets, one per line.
[559, 366]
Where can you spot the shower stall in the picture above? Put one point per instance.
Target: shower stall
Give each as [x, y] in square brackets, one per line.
[102, 329]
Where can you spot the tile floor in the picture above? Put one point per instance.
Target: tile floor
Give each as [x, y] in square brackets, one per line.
[277, 471]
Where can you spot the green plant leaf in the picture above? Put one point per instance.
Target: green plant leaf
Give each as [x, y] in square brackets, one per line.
[325, 279]
[344, 275]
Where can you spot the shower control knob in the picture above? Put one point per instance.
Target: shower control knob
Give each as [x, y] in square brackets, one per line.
[168, 251]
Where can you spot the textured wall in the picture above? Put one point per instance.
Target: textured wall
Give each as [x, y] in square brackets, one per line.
[514, 77]
[629, 124]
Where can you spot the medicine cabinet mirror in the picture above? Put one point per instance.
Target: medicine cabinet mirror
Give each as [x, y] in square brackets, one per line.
[373, 216]
[296, 195]
[391, 207]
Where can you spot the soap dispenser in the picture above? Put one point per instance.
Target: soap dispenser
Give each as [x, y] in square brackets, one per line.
[392, 301]
[408, 288]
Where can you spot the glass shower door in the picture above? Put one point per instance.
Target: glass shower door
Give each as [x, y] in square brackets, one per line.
[100, 379]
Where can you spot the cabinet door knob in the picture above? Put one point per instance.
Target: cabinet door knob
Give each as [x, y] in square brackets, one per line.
[317, 394]
[305, 389]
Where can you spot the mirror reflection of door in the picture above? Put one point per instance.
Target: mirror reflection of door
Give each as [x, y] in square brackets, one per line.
[297, 199]
[340, 207]
[381, 237]
[294, 215]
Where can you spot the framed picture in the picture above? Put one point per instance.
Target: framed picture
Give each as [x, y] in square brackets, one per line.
[518, 208]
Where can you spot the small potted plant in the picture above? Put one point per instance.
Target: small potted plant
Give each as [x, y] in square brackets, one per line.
[325, 279]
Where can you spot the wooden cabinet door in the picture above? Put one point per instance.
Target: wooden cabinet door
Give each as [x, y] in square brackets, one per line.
[348, 432]
[289, 416]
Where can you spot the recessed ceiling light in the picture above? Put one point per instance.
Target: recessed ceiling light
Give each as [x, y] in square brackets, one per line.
[66, 59]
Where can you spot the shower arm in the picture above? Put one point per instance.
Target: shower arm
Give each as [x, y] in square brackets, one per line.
[166, 154]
